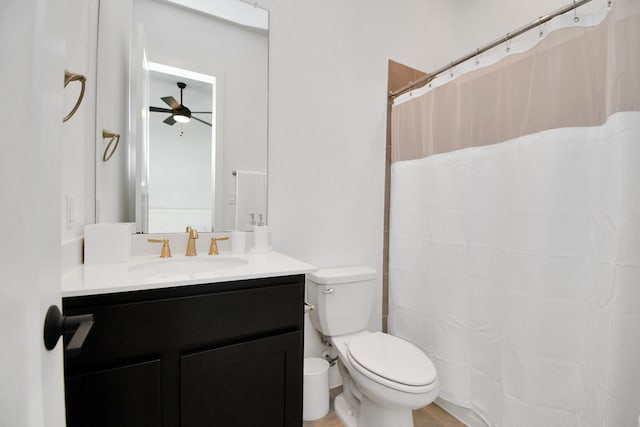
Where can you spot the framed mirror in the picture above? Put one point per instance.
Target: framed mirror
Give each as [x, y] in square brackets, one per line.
[210, 172]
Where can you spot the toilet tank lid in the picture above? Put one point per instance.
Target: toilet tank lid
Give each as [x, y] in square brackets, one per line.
[332, 276]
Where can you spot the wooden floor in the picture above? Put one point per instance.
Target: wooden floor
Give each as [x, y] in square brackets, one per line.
[429, 416]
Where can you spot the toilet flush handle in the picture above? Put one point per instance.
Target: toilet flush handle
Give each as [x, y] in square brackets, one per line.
[329, 291]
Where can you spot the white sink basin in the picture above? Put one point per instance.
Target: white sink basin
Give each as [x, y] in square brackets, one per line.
[199, 264]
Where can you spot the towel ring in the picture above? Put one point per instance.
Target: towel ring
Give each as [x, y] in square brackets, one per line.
[108, 151]
[73, 77]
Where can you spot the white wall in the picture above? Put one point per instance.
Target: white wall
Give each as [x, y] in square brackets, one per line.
[480, 22]
[327, 122]
[78, 132]
[78, 145]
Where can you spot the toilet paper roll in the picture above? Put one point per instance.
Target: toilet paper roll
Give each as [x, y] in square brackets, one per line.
[238, 242]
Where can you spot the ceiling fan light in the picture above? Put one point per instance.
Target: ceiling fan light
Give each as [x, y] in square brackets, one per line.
[181, 118]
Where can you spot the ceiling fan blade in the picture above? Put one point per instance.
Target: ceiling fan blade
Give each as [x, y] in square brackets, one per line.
[202, 121]
[169, 120]
[160, 110]
[171, 102]
[201, 112]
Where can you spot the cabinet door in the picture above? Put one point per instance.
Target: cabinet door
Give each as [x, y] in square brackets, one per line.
[127, 396]
[254, 383]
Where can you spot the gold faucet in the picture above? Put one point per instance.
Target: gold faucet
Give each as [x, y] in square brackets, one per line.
[166, 250]
[191, 243]
[213, 249]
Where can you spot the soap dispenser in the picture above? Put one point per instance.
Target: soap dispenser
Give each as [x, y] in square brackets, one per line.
[261, 236]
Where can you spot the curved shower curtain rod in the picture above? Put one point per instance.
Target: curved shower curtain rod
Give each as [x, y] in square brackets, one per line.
[430, 76]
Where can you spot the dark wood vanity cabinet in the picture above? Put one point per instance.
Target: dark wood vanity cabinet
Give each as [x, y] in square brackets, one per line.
[222, 354]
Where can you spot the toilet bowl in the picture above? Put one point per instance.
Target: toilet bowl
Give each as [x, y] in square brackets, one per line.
[384, 377]
[392, 377]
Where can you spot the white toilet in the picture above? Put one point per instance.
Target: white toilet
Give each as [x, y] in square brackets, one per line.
[384, 377]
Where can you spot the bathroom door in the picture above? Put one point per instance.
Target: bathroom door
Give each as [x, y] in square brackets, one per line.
[32, 73]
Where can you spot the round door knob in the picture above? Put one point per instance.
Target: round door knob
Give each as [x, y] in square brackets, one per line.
[56, 325]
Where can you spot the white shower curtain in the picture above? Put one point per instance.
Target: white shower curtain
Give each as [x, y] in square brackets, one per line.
[515, 263]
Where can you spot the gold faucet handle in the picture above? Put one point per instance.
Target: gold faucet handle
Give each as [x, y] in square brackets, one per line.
[213, 249]
[165, 252]
[193, 233]
[191, 241]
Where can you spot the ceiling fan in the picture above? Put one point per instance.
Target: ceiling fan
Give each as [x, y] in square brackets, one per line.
[179, 113]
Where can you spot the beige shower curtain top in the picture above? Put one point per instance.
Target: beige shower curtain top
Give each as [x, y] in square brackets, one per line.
[574, 77]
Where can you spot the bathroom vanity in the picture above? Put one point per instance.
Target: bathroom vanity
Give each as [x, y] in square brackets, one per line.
[219, 348]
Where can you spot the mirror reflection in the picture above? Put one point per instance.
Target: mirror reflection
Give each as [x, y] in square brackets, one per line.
[181, 184]
[189, 173]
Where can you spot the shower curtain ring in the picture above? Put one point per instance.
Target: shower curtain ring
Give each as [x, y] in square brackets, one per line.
[540, 32]
[576, 18]
[508, 43]
[451, 70]
[477, 56]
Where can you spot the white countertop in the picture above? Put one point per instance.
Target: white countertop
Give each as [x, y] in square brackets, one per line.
[138, 274]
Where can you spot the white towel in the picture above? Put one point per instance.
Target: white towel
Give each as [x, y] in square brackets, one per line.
[251, 198]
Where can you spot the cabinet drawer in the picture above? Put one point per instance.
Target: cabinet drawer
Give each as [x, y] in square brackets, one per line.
[132, 330]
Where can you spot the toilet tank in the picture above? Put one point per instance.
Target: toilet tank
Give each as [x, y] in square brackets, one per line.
[342, 297]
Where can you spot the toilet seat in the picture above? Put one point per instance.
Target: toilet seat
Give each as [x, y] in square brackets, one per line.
[392, 361]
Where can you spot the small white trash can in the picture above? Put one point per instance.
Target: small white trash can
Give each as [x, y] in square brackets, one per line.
[315, 395]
